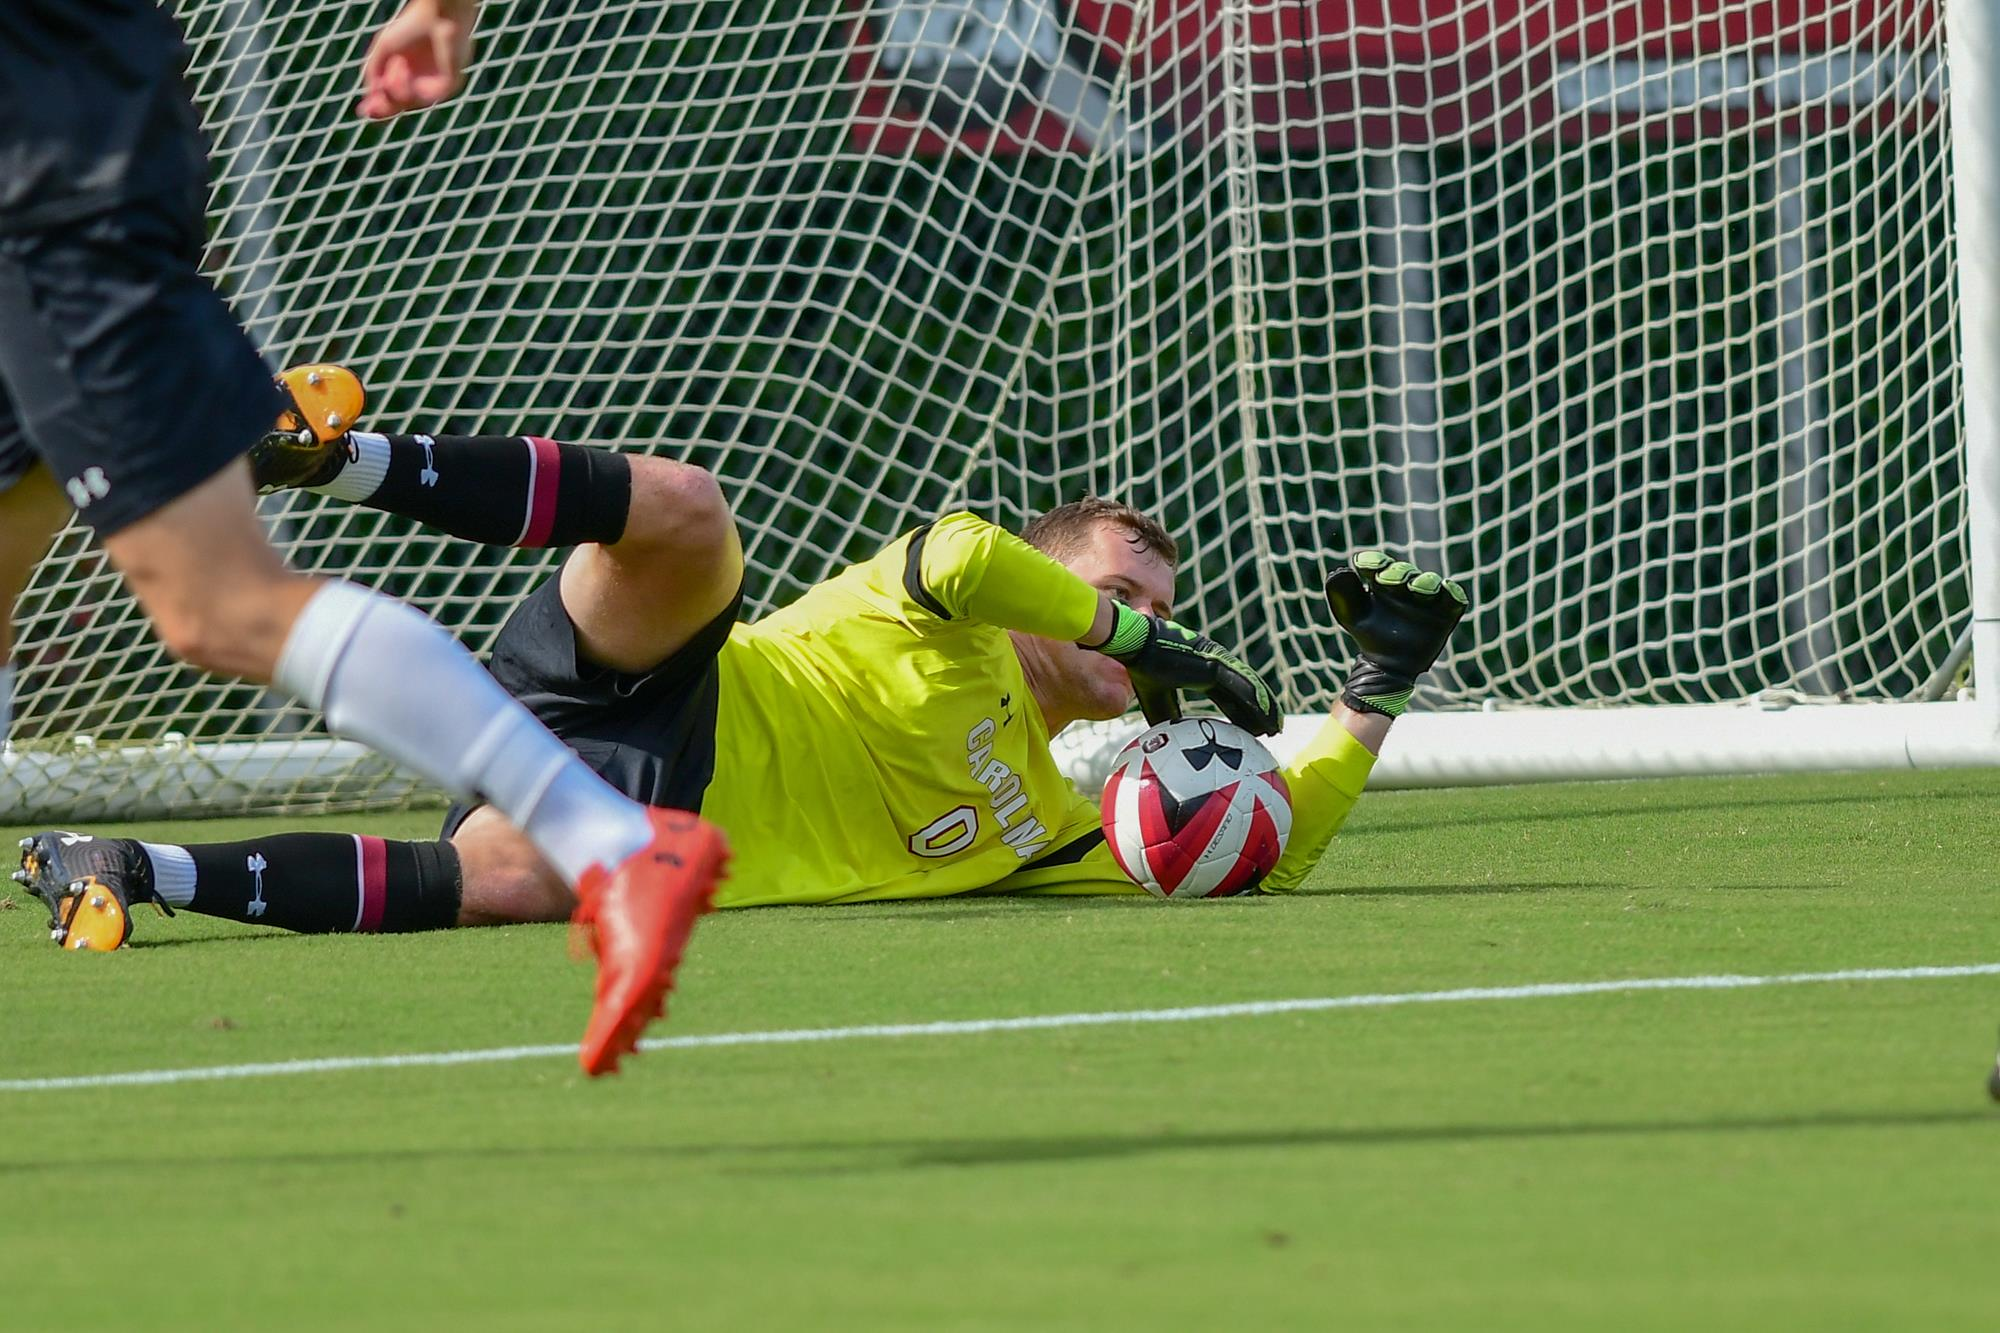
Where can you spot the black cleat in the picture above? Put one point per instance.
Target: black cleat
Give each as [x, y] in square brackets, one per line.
[309, 446]
[89, 885]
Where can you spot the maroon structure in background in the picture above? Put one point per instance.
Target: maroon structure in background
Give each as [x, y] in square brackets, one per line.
[1407, 72]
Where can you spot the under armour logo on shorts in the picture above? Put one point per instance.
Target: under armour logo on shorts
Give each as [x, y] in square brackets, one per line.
[92, 485]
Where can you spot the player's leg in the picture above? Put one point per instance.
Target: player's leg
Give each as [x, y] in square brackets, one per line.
[338, 882]
[486, 874]
[499, 490]
[658, 555]
[651, 735]
[313, 883]
[220, 598]
[32, 510]
[458, 728]
[503, 879]
[639, 600]
[208, 578]
[145, 392]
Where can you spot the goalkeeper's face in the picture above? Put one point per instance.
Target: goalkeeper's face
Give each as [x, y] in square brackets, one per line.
[1095, 687]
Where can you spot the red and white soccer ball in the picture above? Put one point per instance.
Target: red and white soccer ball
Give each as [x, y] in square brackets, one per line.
[1196, 809]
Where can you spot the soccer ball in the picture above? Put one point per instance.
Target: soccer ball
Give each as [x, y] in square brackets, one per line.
[1196, 809]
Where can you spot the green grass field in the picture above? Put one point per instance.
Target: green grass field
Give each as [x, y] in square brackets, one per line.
[1801, 1156]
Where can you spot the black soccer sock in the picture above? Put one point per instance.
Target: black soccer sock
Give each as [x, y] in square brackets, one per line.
[323, 883]
[510, 490]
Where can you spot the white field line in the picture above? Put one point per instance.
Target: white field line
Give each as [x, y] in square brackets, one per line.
[976, 1026]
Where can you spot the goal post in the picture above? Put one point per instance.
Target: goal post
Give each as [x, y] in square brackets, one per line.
[1974, 43]
[1669, 329]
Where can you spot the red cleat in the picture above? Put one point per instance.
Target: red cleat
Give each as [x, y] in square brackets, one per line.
[638, 919]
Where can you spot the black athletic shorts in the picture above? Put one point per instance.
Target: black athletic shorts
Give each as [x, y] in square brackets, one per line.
[650, 735]
[120, 367]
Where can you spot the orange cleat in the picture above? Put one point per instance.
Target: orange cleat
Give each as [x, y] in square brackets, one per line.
[637, 920]
[309, 446]
[90, 886]
[323, 399]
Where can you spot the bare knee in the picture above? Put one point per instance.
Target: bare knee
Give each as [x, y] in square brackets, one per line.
[678, 512]
[210, 581]
[639, 600]
[504, 879]
[513, 895]
[236, 624]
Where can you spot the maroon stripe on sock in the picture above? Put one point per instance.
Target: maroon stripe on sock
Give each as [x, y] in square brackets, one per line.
[373, 856]
[542, 502]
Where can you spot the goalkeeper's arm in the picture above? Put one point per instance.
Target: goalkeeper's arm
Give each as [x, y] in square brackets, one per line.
[1400, 618]
[962, 567]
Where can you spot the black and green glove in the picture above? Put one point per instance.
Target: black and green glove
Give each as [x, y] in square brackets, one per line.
[1164, 659]
[1401, 617]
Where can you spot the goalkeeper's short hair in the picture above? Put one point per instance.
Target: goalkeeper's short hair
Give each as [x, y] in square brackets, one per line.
[1065, 530]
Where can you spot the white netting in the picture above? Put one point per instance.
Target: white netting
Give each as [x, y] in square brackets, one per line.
[1641, 326]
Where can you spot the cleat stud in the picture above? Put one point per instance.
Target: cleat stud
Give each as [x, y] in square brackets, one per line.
[98, 902]
[314, 378]
[333, 421]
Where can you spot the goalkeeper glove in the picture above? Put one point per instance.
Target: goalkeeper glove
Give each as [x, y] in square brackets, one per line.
[1400, 616]
[1164, 658]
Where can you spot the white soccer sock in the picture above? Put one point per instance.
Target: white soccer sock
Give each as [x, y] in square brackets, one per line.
[385, 675]
[173, 872]
[6, 699]
[361, 476]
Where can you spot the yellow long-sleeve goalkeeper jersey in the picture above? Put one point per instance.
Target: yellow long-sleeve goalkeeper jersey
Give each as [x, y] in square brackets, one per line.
[876, 738]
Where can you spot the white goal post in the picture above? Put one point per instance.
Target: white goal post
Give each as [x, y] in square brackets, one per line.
[1673, 331]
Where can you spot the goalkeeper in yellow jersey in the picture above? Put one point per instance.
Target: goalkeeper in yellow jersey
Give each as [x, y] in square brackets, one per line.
[884, 736]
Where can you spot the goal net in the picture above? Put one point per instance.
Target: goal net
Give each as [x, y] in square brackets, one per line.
[1637, 317]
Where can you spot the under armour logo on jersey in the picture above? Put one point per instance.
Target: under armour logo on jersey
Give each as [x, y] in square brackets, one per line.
[1212, 749]
[1006, 700]
[256, 865]
[429, 476]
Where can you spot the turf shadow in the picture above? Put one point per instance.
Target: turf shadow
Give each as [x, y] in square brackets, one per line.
[1538, 886]
[947, 910]
[1465, 890]
[1736, 804]
[178, 941]
[865, 1157]
[1040, 1151]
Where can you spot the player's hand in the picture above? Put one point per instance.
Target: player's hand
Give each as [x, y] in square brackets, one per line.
[1400, 617]
[1164, 658]
[418, 59]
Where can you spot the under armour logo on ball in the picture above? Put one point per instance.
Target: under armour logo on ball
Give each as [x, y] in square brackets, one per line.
[1201, 756]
